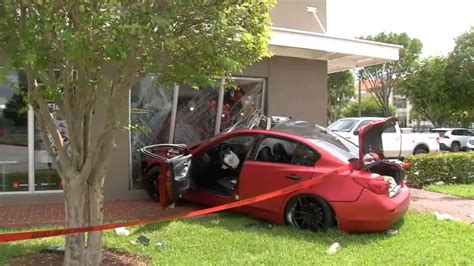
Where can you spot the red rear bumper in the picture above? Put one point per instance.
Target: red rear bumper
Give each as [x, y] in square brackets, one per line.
[371, 212]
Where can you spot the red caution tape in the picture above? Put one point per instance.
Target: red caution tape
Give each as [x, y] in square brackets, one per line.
[73, 230]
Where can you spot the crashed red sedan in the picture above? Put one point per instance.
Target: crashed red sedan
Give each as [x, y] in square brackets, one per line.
[244, 163]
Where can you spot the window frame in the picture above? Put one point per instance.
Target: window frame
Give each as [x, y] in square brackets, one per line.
[254, 151]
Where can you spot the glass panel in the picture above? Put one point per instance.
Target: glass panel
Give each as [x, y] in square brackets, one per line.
[150, 118]
[46, 176]
[196, 116]
[242, 97]
[13, 134]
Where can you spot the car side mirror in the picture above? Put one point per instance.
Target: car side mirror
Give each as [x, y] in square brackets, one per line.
[356, 132]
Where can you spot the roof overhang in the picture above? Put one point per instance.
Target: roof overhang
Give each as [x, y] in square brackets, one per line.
[340, 53]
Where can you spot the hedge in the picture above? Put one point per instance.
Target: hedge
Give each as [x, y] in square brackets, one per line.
[451, 168]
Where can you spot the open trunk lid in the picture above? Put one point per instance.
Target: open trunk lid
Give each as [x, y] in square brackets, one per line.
[370, 137]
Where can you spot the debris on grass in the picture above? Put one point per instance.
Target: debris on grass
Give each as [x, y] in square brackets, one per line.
[259, 225]
[442, 216]
[53, 249]
[143, 240]
[439, 183]
[160, 244]
[334, 248]
[122, 231]
[392, 232]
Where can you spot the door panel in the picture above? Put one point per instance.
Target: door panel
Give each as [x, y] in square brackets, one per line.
[262, 177]
[176, 179]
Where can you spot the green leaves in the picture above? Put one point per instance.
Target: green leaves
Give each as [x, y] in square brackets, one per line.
[451, 168]
[341, 89]
[184, 41]
[386, 75]
[460, 72]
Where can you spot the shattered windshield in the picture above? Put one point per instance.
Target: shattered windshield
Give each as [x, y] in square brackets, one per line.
[317, 134]
[344, 125]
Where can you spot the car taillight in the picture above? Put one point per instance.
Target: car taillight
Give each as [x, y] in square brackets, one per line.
[376, 184]
[405, 165]
[437, 140]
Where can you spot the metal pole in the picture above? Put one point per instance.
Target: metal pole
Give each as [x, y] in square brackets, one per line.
[220, 103]
[3, 177]
[360, 107]
[174, 111]
[31, 150]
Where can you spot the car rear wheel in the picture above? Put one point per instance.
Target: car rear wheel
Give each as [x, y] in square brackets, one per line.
[150, 183]
[455, 147]
[309, 212]
[420, 150]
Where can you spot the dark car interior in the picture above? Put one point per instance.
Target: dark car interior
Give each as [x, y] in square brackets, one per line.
[212, 171]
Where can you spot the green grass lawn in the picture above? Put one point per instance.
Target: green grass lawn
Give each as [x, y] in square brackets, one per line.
[461, 190]
[227, 239]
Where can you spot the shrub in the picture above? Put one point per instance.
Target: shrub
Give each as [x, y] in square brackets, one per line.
[451, 168]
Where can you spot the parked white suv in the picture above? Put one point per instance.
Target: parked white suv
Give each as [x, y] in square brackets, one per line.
[395, 143]
[453, 139]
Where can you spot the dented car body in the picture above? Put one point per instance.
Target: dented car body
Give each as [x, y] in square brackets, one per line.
[243, 163]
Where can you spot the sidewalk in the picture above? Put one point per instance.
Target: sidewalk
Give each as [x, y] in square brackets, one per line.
[53, 213]
[427, 201]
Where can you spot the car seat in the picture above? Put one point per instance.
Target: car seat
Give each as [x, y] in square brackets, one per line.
[265, 155]
[279, 153]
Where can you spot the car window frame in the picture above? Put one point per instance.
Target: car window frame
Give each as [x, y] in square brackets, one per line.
[254, 151]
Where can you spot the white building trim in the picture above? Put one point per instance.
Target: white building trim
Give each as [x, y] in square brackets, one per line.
[340, 53]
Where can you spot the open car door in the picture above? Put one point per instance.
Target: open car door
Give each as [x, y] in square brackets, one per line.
[175, 161]
[176, 179]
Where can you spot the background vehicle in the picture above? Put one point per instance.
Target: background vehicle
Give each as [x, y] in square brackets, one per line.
[470, 144]
[241, 164]
[453, 139]
[395, 143]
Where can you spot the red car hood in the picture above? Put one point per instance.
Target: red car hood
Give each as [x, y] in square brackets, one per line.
[370, 137]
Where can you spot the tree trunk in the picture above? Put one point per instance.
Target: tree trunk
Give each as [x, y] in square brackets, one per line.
[84, 207]
[75, 212]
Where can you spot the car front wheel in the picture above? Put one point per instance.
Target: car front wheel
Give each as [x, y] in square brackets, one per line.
[309, 212]
[150, 183]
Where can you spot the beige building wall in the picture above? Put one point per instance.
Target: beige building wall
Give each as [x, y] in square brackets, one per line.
[293, 14]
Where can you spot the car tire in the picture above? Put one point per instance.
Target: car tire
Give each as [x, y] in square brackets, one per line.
[420, 150]
[309, 212]
[149, 180]
[455, 147]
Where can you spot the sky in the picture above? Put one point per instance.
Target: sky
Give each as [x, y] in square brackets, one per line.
[436, 23]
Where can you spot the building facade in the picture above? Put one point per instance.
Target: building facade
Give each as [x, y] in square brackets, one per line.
[291, 83]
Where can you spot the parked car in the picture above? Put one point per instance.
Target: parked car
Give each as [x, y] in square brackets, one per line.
[470, 144]
[244, 163]
[454, 139]
[395, 143]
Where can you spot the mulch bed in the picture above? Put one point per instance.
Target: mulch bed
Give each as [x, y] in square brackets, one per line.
[56, 258]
